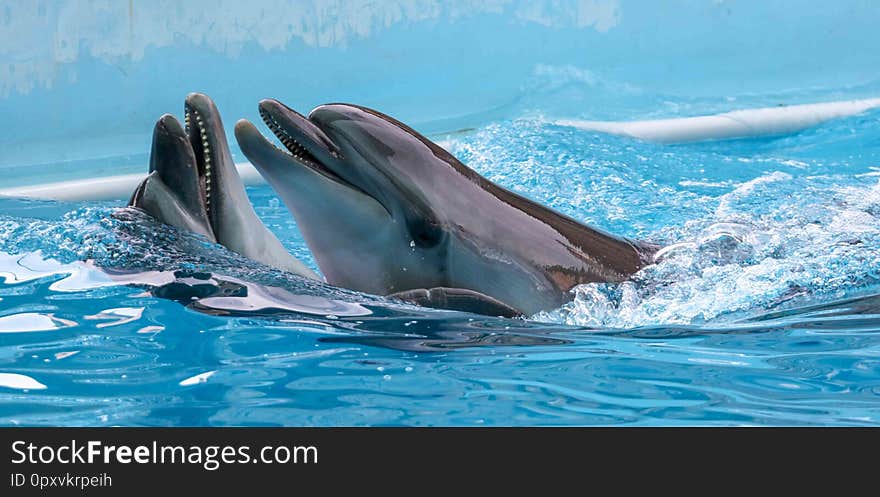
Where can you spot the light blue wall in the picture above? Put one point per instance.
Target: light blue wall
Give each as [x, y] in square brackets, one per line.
[81, 82]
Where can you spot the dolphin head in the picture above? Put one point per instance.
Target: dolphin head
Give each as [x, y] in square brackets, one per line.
[173, 164]
[193, 185]
[385, 210]
[368, 229]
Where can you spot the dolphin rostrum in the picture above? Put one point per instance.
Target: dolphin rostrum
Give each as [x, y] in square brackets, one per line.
[193, 185]
[384, 210]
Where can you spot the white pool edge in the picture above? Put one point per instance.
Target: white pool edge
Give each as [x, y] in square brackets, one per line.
[747, 123]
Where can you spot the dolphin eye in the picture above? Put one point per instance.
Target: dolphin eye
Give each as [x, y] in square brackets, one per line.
[426, 234]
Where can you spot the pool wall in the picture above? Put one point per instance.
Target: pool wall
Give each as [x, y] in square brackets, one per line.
[81, 82]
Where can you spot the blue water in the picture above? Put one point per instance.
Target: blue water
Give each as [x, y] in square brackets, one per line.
[764, 310]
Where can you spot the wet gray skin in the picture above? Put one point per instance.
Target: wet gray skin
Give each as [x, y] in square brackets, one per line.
[384, 210]
[193, 185]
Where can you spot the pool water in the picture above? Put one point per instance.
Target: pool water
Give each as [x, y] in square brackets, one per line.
[763, 310]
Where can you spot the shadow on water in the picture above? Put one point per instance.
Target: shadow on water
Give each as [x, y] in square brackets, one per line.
[766, 312]
[388, 324]
[121, 245]
[401, 326]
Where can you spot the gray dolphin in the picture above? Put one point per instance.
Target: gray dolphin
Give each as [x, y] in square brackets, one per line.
[384, 210]
[193, 185]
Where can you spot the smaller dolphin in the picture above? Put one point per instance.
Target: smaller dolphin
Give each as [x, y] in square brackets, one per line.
[386, 211]
[194, 185]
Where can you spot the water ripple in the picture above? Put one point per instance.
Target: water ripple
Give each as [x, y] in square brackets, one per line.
[763, 309]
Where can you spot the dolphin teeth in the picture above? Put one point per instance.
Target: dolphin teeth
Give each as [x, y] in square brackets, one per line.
[294, 148]
[189, 114]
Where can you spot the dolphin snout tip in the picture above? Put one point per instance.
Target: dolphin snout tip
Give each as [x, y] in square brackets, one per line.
[196, 96]
[271, 106]
[169, 125]
[201, 102]
[164, 119]
[246, 134]
[243, 126]
[277, 108]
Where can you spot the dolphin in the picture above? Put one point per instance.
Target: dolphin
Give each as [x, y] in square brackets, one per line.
[193, 185]
[386, 211]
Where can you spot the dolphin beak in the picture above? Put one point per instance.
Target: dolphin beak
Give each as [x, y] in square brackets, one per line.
[305, 144]
[297, 133]
[203, 124]
[171, 191]
[173, 159]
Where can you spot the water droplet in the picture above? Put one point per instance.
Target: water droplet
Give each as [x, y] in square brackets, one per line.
[386, 377]
[408, 369]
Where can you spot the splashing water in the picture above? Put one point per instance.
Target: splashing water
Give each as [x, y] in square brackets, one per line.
[731, 246]
[760, 309]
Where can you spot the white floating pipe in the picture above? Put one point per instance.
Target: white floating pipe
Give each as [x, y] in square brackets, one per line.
[104, 188]
[746, 123]
[736, 124]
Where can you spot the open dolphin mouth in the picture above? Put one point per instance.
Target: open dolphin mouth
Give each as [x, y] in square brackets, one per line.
[294, 147]
[309, 144]
[183, 187]
[198, 138]
[193, 185]
[197, 132]
[305, 142]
